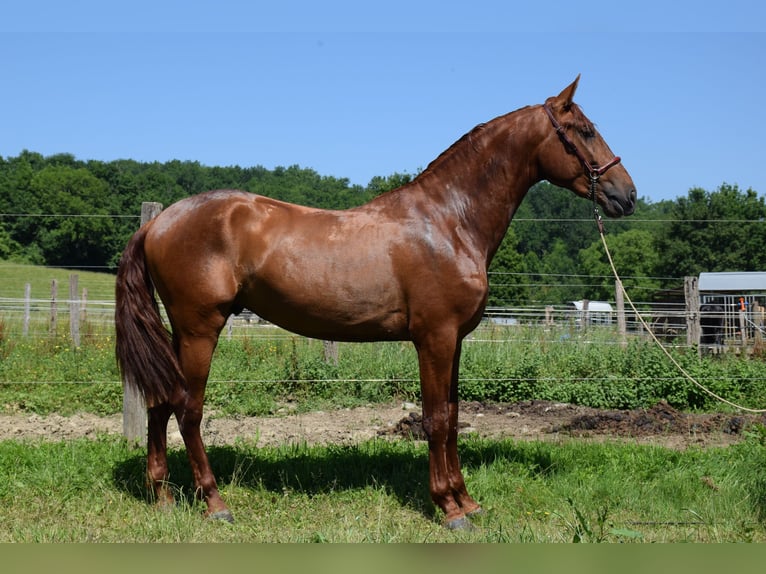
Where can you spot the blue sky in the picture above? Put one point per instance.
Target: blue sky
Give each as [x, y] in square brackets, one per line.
[355, 91]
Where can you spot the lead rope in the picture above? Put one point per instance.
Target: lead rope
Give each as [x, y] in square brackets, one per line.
[683, 371]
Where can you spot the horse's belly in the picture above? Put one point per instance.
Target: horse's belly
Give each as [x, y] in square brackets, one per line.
[333, 311]
[335, 324]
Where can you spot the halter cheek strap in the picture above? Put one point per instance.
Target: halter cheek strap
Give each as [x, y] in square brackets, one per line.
[594, 173]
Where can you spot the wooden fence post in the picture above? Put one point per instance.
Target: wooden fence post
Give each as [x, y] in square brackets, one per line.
[585, 315]
[229, 327]
[743, 328]
[692, 298]
[133, 405]
[549, 315]
[74, 310]
[84, 307]
[27, 308]
[619, 301]
[331, 352]
[53, 325]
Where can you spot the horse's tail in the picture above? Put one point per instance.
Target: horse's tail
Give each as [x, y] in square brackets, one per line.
[144, 347]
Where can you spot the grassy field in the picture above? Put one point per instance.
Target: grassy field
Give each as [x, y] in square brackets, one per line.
[13, 277]
[93, 491]
[85, 490]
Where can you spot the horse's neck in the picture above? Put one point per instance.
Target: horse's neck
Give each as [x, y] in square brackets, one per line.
[486, 174]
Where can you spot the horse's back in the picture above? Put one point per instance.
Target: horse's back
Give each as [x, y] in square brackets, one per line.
[316, 272]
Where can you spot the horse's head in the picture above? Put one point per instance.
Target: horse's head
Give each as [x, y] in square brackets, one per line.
[575, 156]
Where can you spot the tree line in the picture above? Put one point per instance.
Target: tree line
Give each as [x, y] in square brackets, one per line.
[60, 211]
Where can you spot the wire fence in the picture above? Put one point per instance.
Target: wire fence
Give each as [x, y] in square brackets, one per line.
[31, 320]
[34, 317]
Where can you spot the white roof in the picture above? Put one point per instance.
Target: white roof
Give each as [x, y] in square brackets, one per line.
[733, 281]
[598, 306]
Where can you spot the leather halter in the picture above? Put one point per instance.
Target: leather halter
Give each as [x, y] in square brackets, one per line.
[594, 173]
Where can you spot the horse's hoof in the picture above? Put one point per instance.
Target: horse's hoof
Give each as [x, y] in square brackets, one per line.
[222, 515]
[461, 524]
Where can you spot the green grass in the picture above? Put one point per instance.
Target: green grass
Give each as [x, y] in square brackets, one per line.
[13, 277]
[93, 491]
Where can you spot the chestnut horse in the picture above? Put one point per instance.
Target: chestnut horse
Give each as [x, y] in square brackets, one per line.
[409, 265]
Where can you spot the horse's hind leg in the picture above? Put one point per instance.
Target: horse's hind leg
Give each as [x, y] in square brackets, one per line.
[195, 354]
[157, 460]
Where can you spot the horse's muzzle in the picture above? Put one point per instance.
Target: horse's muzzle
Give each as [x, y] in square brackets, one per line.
[619, 203]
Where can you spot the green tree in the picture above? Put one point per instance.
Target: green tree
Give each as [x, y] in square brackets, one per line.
[550, 215]
[306, 187]
[17, 199]
[723, 230]
[559, 278]
[379, 184]
[508, 281]
[636, 259]
[8, 247]
[76, 228]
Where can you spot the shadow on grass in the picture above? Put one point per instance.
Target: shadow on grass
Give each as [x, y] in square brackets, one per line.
[400, 467]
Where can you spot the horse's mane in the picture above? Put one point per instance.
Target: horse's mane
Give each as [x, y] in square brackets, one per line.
[468, 140]
[469, 143]
[473, 141]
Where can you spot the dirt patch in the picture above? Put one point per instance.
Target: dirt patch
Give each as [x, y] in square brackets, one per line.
[528, 420]
[545, 420]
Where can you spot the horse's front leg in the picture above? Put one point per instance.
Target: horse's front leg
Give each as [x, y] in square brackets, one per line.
[457, 482]
[439, 359]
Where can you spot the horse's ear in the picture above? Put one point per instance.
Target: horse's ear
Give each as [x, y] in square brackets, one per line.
[564, 99]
